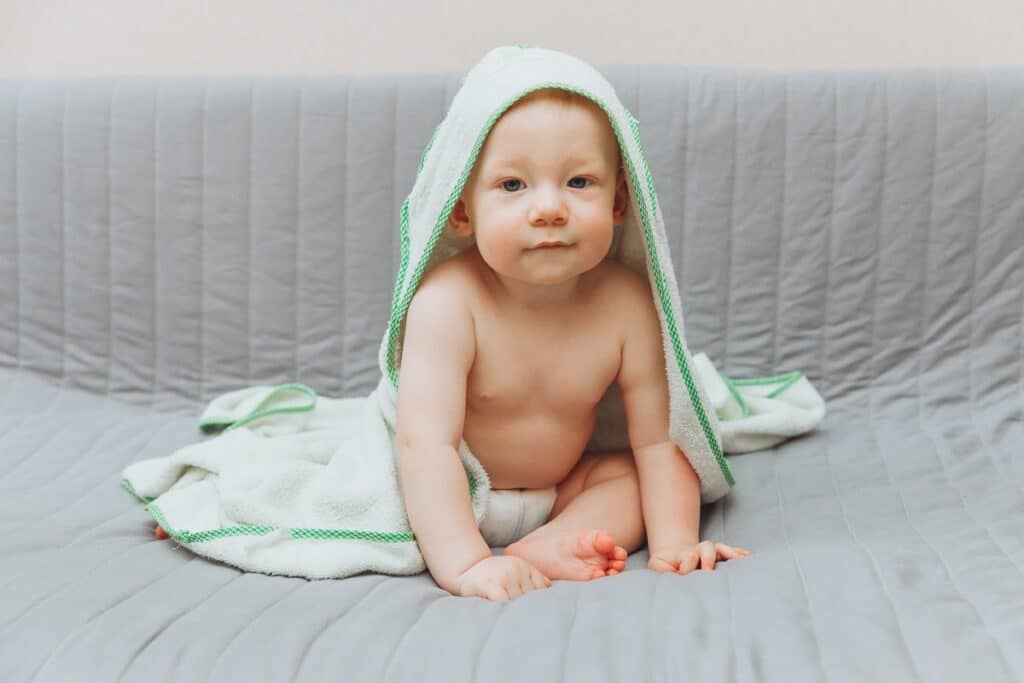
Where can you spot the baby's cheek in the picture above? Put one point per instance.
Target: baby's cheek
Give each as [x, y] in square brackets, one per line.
[502, 243]
[497, 247]
[600, 232]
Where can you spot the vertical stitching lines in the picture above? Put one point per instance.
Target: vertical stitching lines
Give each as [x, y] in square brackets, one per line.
[164, 628]
[800, 573]
[345, 200]
[17, 228]
[872, 430]
[920, 415]
[297, 300]
[202, 235]
[973, 282]
[676, 247]
[392, 223]
[831, 226]
[568, 636]
[730, 229]
[878, 244]
[248, 224]
[156, 213]
[110, 243]
[686, 174]
[393, 654]
[728, 592]
[874, 563]
[1020, 334]
[248, 623]
[782, 225]
[64, 237]
[324, 631]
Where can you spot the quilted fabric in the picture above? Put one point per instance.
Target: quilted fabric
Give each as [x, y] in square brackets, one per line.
[165, 240]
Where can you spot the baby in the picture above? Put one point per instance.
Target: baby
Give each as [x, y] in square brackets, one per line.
[511, 344]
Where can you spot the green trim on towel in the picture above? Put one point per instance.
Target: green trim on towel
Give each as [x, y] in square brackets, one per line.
[210, 424]
[400, 300]
[131, 489]
[731, 386]
[785, 381]
[186, 537]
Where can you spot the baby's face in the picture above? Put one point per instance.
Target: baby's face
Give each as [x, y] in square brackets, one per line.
[548, 172]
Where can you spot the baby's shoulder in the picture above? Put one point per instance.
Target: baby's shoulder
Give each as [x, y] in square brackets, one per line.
[455, 275]
[625, 301]
[451, 283]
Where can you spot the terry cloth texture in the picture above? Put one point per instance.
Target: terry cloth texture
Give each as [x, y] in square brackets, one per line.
[307, 486]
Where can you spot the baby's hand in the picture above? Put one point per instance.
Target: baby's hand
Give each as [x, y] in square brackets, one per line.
[501, 577]
[683, 560]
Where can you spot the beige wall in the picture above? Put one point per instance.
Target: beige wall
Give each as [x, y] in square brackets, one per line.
[99, 37]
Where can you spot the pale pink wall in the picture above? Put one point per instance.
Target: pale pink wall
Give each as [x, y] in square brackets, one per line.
[76, 37]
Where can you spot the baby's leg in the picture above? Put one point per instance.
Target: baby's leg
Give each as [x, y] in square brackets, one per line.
[597, 519]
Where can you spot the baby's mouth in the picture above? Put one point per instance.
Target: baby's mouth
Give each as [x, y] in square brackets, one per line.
[550, 245]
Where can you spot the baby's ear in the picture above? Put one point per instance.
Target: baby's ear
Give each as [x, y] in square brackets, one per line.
[458, 219]
[621, 198]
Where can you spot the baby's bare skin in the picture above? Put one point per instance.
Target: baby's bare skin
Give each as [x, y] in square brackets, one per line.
[531, 399]
[537, 377]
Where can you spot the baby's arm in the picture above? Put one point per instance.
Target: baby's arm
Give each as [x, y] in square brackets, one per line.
[669, 487]
[437, 355]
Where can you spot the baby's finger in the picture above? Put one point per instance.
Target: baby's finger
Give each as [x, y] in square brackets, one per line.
[495, 592]
[659, 564]
[728, 552]
[708, 555]
[527, 583]
[689, 562]
[539, 580]
[514, 589]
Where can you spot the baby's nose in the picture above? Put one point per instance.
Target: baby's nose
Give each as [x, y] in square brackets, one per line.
[548, 209]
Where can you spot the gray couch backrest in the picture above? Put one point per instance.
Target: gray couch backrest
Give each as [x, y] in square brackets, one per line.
[184, 237]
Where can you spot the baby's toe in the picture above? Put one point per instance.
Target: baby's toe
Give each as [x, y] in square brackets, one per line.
[605, 545]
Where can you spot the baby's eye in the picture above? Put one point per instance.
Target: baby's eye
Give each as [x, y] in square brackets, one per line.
[579, 187]
[504, 184]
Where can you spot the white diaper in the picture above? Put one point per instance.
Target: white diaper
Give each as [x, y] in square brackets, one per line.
[514, 513]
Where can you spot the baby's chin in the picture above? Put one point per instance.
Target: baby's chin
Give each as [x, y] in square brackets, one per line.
[545, 276]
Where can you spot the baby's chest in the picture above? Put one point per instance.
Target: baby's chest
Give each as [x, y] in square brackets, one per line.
[525, 372]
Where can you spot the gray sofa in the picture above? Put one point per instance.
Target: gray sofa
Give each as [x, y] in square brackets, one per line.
[165, 240]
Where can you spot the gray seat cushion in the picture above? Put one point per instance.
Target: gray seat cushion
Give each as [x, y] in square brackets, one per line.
[166, 240]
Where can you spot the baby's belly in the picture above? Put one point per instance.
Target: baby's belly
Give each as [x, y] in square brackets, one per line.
[531, 451]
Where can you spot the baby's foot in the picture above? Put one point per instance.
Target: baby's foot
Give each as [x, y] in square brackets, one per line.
[580, 556]
[160, 533]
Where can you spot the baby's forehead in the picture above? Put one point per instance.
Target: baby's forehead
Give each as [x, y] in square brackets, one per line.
[561, 95]
[606, 141]
[563, 98]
